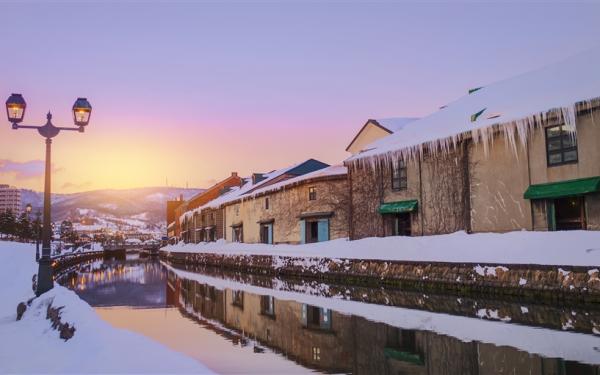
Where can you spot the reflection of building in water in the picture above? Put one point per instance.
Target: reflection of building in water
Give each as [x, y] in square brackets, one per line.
[334, 342]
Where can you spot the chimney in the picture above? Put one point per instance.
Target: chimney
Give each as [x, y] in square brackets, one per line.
[181, 197]
[233, 174]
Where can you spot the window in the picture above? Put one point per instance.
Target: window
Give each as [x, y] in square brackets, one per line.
[266, 203]
[237, 298]
[317, 318]
[312, 193]
[561, 145]
[267, 305]
[316, 353]
[399, 177]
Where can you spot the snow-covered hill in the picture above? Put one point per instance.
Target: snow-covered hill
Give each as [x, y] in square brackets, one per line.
[143, 208]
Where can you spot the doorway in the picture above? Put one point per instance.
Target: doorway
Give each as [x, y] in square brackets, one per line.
[398, 224]
[569, 213]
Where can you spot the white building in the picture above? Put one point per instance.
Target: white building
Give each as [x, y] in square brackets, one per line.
[10, 199]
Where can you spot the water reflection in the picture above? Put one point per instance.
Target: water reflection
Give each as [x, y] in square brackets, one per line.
[270, 331]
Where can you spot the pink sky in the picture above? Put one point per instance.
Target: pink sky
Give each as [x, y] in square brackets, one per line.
[190, 92]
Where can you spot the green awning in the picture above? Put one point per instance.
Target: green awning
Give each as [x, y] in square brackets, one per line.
[398, 207]
[563, 188]
[404, 356]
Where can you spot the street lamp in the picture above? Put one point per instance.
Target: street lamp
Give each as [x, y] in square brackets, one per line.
[38, 234]
[28, 209]
[15, 111]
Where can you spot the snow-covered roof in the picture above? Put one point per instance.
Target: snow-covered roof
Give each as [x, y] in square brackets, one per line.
[512, 104]
[248, 186]
[395, 124]
[334, 170]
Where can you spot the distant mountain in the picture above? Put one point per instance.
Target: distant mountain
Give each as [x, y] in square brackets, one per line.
[147, 204]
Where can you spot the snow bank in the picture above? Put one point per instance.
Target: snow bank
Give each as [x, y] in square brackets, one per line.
[572, 248]
[32, 346]
[546, 342]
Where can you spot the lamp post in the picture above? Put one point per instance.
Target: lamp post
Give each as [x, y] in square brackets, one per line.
[38, 234]
[28, 209]
[15, 111]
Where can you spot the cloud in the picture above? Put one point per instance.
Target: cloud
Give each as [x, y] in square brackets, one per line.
[25, 170]
[72, 185]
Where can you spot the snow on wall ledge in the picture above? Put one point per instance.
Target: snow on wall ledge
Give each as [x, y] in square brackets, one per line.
[513, 106]
[539, 264]
[568, 248]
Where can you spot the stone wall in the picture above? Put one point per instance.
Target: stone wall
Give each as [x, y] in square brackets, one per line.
[439, 184]
[546, 282]
[285, 207]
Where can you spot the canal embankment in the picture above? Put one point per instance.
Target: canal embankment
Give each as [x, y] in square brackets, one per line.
[550, 265]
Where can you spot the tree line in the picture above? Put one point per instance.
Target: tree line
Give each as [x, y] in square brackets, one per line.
[20, 227]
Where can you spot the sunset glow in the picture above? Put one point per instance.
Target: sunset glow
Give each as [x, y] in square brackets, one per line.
[184, 94]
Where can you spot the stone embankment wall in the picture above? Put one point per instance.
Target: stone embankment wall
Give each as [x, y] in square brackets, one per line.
[535, 281]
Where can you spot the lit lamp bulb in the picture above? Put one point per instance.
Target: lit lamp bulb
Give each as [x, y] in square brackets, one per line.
[15, 108]
[82, 111]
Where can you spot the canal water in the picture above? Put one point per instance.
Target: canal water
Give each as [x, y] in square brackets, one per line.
[245, 324]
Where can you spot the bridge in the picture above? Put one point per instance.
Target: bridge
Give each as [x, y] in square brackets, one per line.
[66, 261]
[143, 250]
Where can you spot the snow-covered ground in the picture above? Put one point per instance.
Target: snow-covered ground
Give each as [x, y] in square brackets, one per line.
[546, 342]
[32, 346]
[572, 248]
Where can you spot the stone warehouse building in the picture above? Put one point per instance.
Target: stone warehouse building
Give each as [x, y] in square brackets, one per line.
[309, 208]
[235, 215]
[523, 153]
[191, 229]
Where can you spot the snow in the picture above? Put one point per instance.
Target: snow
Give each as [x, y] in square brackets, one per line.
[32, 346]
[566, 248]
[250, 190]
[517, 101]
[546, 342]
[488, 270]
[334, 170]
[395, 124]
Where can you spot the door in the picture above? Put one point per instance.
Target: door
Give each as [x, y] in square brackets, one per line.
[569, 213]
[323, 230]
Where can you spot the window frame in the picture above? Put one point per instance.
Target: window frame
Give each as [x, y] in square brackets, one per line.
[312, 193]
[266, 203]
[562, 150]
[399, 176]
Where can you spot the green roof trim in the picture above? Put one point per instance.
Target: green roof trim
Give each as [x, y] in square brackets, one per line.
[563, 188]
[398, 207]
[403, 356]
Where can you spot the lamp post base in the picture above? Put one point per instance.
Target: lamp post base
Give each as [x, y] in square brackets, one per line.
[44, 281]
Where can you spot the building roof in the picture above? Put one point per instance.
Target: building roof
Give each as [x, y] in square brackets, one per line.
[394, 124]
[515, 104]
[390, 125]
[274, 177]
[331, 171]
